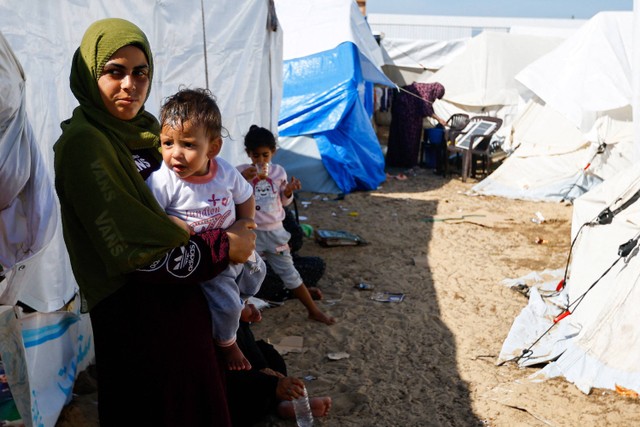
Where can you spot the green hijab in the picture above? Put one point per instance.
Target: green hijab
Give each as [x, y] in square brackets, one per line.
[101, 40]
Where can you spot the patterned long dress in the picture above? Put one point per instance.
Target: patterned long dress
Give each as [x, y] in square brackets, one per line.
[407, 113]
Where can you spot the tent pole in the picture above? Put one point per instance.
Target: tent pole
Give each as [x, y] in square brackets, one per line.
[204, 47]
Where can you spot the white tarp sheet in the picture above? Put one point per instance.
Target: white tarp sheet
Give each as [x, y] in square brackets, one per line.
[597, 345]
[408, 60]
[32, 253]
[302, 158]
[421, 54]
[42, 352]
[332, 24]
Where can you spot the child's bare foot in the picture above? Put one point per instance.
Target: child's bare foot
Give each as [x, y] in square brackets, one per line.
[315, 293]
[319, 316]
[250, 313]
[320, 407]
[235, 358]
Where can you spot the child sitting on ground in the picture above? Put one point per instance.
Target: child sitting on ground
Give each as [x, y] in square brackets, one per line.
[200, 192]
[272, 192]
[267, 387]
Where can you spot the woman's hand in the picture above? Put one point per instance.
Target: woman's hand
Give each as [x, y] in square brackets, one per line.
[289, 388]
[242, 241]
[440, 120]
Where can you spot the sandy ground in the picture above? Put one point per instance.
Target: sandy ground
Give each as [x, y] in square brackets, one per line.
[429, 360]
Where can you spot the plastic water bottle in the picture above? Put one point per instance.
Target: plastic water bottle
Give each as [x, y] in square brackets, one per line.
[301, 406]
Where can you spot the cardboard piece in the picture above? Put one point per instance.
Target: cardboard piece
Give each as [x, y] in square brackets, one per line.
[290, 344]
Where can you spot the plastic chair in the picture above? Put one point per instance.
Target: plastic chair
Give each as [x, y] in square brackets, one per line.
[455, 124]
[485, 151]
[474, 139]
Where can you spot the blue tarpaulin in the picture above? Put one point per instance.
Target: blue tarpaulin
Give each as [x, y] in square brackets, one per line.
[325, 96]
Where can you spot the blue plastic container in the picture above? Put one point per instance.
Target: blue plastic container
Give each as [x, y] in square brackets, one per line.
[430, 155]
[432, 148]
[435, 135]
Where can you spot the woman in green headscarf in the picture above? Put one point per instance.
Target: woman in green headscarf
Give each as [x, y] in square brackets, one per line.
[137, 271]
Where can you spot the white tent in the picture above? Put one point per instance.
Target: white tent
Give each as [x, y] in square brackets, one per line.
[604, 352]
[558, 138]
[408, 60]
[594, 341]
[481, 80]
[598, 343]
[233, 47]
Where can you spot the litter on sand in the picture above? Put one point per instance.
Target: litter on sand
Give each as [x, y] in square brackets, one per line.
[538, 219]
[388, 297]
[307, 230]
[290, 344]
[481, 218]
[338, 355]
[622, 391]
[399, 177]
[338, 238]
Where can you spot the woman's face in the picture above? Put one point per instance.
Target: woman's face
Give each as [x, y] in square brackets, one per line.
[124, 82]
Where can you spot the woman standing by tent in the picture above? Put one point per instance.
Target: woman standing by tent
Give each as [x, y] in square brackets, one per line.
[409, 108]
[137, 271]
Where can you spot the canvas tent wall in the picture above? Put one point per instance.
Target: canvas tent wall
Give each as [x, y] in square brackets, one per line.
[604, 352]
[583, 99]
[598, 343]
[481, 80]
[331, 60]
[596, 346]
[407, 60]
[439, 27]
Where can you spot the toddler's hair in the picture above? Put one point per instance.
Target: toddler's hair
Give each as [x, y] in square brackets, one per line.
[196, 106]
[259, 137]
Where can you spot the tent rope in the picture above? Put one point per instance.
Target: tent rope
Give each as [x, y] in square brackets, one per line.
[625, 250]
[413, 94]
[601, 149]
[603, 218]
